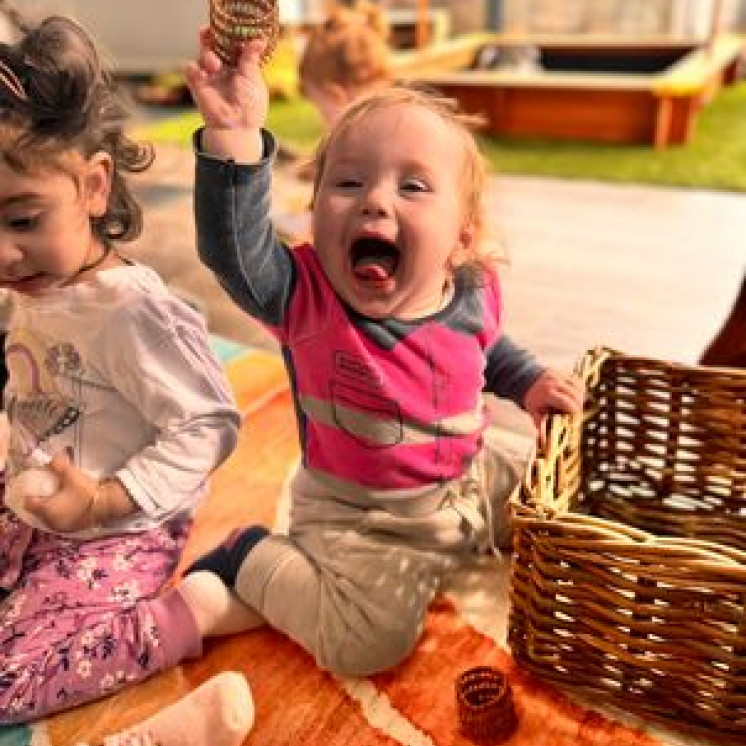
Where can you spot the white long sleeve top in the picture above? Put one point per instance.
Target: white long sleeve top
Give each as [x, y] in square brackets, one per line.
[119, 372]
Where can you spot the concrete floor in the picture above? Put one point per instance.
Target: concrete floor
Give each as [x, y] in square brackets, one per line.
[645, 270]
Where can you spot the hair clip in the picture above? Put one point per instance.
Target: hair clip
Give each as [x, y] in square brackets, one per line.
[11, 81]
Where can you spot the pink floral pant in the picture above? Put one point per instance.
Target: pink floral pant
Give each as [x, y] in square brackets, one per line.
[78, 619]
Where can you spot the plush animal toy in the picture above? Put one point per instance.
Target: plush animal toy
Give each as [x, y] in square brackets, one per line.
[37, 480]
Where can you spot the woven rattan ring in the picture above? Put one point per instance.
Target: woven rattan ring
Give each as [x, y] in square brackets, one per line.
[235, 21]
[484, 701]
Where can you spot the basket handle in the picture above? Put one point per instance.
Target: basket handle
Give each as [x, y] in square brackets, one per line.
[554, 426]
[546, 479]
[588, 367]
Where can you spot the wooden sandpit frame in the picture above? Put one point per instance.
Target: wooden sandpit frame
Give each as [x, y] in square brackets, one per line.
[658, 108]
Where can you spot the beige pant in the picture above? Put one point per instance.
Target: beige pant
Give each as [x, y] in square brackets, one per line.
[351, 583]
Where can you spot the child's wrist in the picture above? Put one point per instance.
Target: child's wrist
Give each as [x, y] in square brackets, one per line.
[110, 501]
[98, 510]
[241, 144]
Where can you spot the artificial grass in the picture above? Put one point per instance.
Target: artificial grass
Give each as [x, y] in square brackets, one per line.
[294, 121]
[714, 159]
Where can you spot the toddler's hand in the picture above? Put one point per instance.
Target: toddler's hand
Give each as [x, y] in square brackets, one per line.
[553, 392]
[229, 98]
[69, 508]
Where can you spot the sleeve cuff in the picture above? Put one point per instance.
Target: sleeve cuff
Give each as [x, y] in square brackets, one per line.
[269, 148]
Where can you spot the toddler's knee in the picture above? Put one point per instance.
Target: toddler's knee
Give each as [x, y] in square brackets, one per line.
[361, 655]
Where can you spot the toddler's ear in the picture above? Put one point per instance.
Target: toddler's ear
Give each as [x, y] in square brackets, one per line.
[97, 183]
[466, 236]
[465, 246]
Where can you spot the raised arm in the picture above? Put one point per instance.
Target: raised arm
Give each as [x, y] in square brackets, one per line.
[235, 236]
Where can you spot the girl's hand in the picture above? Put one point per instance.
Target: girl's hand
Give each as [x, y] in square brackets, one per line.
[553, 392]
[68, 509]
[233, 101]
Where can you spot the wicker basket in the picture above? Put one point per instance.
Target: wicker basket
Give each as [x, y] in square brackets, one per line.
[629, 580]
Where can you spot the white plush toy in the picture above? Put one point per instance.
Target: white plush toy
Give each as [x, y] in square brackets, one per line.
[37, 480]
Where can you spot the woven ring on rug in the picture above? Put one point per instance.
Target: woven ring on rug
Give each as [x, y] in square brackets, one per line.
[484, 700]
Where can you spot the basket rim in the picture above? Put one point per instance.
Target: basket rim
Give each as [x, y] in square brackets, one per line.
[560, 427]
[613, 535]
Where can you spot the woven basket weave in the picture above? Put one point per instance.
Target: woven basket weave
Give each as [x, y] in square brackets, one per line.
[629, 580]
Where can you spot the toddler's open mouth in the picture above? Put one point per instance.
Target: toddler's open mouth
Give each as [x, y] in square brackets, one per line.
[374, 259]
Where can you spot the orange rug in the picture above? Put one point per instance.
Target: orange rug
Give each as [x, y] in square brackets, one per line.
[298, 704]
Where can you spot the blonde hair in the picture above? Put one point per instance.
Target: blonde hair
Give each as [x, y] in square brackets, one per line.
[348, 50]
[478, 258]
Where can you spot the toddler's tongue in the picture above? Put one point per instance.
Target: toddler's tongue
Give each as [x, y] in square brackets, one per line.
[376, 268]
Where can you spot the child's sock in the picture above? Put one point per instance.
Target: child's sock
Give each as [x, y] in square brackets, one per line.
[217, 610]
[220, 712]
[226, 559]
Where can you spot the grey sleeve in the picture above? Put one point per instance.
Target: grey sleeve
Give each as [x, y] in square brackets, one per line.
[235, 236]
[510, 370]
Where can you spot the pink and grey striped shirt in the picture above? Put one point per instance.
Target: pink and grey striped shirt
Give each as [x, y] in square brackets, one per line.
[383, 405]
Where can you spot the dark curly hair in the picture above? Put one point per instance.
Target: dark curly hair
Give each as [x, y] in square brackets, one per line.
[56, 97]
